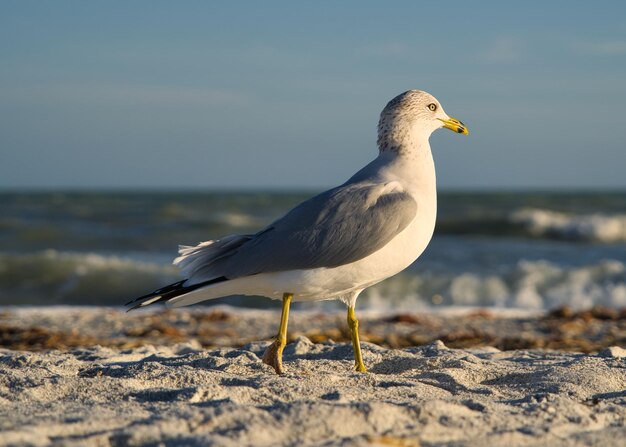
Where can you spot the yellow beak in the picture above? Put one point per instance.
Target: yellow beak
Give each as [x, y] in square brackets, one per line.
[454, 125]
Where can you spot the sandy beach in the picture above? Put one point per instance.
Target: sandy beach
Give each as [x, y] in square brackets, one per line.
[177, 392]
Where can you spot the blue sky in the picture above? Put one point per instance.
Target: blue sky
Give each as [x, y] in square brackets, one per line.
[149, 94]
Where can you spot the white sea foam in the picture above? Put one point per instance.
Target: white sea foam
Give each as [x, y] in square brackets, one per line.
[528, 285]
[586, 227]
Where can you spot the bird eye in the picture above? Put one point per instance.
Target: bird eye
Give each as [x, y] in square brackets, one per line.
[432, 107]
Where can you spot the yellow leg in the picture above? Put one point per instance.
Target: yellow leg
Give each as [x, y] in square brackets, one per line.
[353, 324]
[273, 355]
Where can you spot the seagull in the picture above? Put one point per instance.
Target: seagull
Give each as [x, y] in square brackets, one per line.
[336, 244]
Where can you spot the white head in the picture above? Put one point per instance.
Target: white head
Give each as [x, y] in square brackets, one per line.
[410, 118]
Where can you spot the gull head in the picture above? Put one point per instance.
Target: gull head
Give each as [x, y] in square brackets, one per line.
[410, 118]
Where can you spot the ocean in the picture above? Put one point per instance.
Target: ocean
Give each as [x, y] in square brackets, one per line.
[532, 250]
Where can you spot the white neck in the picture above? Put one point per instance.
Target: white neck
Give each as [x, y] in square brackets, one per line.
[414, 166]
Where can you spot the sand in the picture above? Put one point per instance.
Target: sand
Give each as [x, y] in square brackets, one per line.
[184, 394]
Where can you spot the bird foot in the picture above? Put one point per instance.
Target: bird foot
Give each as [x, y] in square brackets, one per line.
[360, 367]
[273, 356]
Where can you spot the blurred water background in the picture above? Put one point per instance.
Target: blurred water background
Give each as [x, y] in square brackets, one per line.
[534, 250]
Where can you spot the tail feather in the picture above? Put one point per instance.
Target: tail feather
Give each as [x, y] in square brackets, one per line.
[198, 263]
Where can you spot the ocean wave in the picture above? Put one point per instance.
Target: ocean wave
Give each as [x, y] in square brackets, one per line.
[53, 277]
[580, 227]
[528, 285]
[538, 223]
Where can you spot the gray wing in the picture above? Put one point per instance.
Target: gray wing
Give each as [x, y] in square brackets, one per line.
[337, 227]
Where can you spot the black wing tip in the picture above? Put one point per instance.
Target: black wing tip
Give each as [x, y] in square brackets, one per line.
[145, 303]
[163, 291]
[136, 306]
[132, 301]
[168, 292]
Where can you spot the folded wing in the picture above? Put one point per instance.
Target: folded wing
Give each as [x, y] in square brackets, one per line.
[337, 227]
